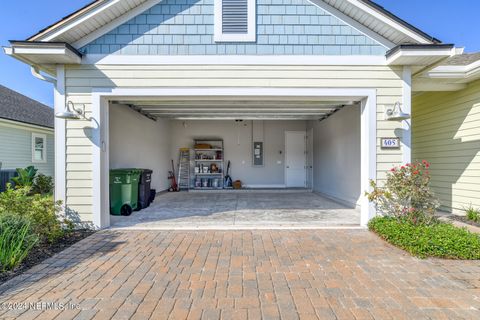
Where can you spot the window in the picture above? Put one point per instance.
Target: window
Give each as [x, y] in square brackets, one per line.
[235, 20]
[39, 147]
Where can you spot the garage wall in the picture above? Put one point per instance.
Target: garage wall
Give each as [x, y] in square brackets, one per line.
[138, 142]
[446, 132]
[336, 156]
[80, 80]
[237, 138]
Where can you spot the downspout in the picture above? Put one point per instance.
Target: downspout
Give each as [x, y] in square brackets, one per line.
[36, 73]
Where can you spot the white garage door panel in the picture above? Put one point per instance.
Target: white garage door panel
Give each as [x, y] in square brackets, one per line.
[295, 159]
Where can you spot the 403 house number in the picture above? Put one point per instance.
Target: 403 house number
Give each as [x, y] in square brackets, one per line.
[391, 143]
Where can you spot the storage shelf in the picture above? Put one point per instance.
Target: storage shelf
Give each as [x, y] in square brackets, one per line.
[217, 151]
[208, 174]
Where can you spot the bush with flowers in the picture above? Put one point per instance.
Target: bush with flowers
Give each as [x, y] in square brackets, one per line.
[408, 207]
[406, 194]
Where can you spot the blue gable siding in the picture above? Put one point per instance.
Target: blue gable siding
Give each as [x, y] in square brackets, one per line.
[284, 27]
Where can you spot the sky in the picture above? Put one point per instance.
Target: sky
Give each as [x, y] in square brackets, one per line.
[452, 21]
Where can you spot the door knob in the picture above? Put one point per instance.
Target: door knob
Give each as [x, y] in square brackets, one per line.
[288, 167]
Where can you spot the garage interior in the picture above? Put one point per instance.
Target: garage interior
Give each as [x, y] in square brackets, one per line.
[306, 171]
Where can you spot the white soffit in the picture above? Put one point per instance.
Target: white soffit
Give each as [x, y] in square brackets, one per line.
[101, 16]
[447, 77]
[419, 55]
[465, 73]
[34, 53]
[381, 21]
[95, 19]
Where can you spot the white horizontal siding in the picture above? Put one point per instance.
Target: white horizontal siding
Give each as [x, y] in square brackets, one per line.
[446, 132]
[81, 79]
[16, 148]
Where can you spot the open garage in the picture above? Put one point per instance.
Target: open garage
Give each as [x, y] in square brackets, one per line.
[305, 173]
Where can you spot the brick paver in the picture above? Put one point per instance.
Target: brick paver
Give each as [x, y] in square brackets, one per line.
[269, 274]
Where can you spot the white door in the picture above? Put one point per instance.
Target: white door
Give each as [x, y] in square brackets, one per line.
[295, 159]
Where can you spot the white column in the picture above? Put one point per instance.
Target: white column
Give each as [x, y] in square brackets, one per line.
[60, 137]
[368, 137]
[100, 125]
[407, 108]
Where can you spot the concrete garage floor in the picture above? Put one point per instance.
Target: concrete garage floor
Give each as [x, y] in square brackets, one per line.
[250, 210]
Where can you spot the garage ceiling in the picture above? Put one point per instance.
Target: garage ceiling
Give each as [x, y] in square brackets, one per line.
[236, 109]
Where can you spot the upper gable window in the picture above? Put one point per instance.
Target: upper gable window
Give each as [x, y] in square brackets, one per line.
[235, 20]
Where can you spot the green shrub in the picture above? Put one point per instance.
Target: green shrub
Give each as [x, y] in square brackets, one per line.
[42, 184]
[26, 177]
[473, 214]
[16, 240]
[406, 194]
[438, 239]
[40, 210]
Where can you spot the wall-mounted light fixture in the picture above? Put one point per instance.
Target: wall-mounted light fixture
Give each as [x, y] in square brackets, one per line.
[71, 113]
[396, 113]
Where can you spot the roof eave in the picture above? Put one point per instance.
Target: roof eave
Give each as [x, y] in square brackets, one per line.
[404, 23]
[419, 54]
[43, 53]
[468, 73]
[78, 13]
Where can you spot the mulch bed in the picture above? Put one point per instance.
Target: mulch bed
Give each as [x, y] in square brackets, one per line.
[464, 220]
[45, 251]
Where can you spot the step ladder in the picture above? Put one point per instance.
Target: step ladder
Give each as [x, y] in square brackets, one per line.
[184, 169]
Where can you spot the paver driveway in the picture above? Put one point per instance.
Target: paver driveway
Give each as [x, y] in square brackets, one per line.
[310, 274]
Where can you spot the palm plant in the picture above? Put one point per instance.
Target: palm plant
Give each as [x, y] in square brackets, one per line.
[26, 177]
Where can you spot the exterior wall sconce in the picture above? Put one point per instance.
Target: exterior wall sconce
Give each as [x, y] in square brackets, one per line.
[396, 113]
[71, 113]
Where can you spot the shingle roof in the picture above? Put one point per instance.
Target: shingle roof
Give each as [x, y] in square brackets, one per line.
[17, 107]
[462, 59]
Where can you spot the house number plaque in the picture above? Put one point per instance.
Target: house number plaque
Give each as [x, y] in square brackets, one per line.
[390, 143]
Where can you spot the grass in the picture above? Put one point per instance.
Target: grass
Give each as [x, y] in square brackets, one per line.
[440, 239]
[16, 241]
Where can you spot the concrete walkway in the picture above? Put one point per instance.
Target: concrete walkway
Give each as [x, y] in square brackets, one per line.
[307, 274]
[239, 210]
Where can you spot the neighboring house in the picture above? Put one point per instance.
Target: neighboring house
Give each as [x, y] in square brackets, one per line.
[26, 133]
[311, 80]
[446, 130]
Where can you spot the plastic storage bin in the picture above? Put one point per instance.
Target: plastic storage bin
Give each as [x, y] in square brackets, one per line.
[124, 191]
[144, 188]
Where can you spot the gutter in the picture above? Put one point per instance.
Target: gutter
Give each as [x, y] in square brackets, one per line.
[455, 71]
[36, 73]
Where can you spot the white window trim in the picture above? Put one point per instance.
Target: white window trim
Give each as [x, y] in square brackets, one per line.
[44, 137]
[250, 36]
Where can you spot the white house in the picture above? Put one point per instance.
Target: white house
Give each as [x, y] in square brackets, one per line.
[26, 135]
[149, 76]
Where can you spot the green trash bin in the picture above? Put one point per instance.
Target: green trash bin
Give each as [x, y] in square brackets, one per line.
[124, 191]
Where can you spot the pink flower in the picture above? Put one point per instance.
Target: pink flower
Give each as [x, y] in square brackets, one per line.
[415, 172]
